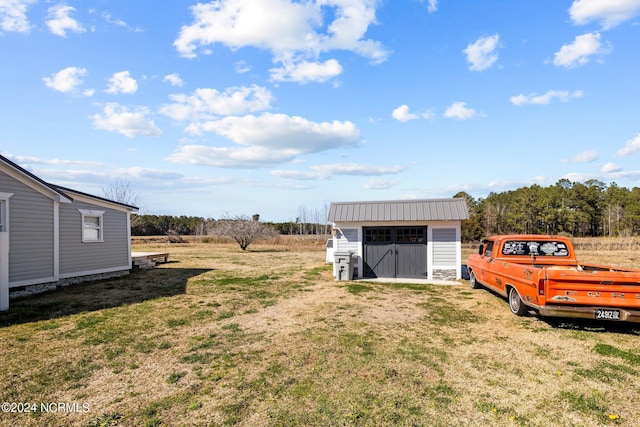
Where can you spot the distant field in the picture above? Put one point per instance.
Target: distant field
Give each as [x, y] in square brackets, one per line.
[266, 337]
[302, 241]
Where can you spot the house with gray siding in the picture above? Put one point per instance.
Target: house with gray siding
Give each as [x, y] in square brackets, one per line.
[52, 236]
[401, 239]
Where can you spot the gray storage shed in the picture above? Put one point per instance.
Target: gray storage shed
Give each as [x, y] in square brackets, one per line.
[401, 239]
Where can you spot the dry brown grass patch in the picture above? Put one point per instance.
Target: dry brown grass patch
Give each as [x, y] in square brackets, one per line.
[267, 337]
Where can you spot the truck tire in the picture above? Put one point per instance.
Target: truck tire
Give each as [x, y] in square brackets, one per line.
[473, 282]
[515, 303]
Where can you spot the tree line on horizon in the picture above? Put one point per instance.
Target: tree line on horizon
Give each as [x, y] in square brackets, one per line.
[308, 222]
[588, 209]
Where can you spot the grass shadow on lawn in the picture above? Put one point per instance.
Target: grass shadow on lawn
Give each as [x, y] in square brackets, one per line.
[137, 287]
[585, 325]
[588, 325]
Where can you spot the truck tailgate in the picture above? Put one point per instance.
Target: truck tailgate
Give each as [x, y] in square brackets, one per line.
[593, 288]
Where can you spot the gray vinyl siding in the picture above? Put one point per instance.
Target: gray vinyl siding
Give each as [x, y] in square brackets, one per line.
[80, 257]
[31, 232]
[444, 246]
[347, 240]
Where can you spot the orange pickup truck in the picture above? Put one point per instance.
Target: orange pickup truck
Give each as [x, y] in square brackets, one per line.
[542, 273]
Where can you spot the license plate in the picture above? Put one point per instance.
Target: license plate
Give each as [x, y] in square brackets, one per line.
[607, 314]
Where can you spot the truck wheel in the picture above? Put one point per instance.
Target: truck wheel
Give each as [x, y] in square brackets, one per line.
[473, 281]
[515, 303]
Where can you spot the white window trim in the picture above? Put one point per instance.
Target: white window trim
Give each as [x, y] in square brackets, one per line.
[4, 211]
[4, 250]
[94, 214]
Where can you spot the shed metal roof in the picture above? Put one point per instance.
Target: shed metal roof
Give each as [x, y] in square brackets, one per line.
[454, 209]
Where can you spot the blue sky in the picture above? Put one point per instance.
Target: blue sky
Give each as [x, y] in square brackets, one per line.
[237, 107]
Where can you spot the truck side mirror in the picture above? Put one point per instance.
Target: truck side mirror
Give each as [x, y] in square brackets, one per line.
[481, 248]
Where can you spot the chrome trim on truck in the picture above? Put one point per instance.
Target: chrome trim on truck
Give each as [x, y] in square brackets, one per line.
[588, 312]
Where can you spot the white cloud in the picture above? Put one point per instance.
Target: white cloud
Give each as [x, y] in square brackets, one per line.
[586, 156]
[280, 131]
[630, 147]
[379, 184]
[138, 173]
[611, 168]
[119, 22]
[80, 173]
[230, 157]
[580, 51]
[481, 54]
[122, 82]
[268, 24]
[327, 171]
[59, 20]
[546, 98]
[29, 160]
[299, 175]
[305, 72]
[294, 32]
[402, 114]
[173, 79]
[632, 176]
[13, 15]
[432, 5]
[206, 103]
[242, 67]
[117, 118]
[609, 13]
[72, 177]
[459, 110]
[356, 169]
[265, 140]
[67, 80]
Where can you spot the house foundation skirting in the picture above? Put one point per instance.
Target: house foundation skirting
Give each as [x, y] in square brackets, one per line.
[28, 290]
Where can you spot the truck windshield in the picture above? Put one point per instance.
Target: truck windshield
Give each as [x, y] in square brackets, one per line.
[535, 248]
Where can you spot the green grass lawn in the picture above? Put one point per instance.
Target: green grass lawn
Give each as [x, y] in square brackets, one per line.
[219, 336]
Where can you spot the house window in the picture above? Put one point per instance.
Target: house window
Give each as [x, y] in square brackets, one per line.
[92, 225]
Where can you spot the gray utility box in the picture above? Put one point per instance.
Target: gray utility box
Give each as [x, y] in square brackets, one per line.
[343, 265]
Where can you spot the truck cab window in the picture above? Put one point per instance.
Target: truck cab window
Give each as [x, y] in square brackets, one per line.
[535, 248]
[489, 250]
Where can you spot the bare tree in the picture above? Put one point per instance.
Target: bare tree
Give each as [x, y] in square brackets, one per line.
[613, 215]
[493, 218]
[302, 220]
[243, 230]
[312, 221]
[121, 192]
[325, 219]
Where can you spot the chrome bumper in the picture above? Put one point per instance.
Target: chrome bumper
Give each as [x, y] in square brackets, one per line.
[588, 313]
